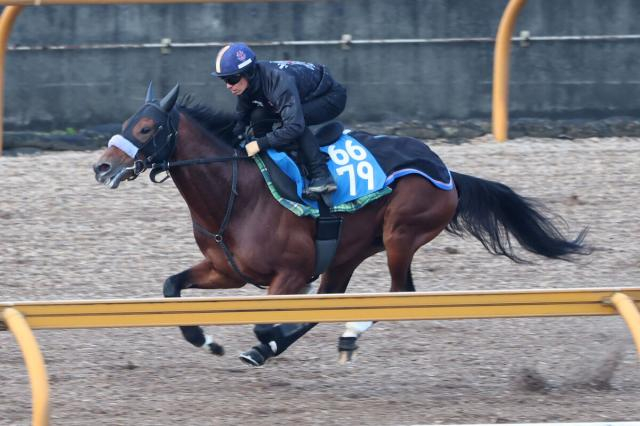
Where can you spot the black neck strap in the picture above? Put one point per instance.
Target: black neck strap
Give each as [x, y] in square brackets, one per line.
[218, 237]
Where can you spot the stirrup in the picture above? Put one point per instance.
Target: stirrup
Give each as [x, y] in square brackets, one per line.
[310, 195]
[327, 187]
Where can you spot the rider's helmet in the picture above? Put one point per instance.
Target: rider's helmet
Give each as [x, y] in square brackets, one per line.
[234, 58]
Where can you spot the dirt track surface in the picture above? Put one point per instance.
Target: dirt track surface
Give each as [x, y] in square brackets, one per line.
[62, 236]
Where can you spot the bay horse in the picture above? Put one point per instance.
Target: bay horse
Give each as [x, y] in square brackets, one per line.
[246, 236]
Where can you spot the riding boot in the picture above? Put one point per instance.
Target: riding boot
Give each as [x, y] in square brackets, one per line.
[320, 179]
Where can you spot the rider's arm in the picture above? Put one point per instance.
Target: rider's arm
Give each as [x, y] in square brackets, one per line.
[283, 94]
[243, 114]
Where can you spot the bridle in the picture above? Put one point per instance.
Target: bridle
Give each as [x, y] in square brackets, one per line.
[154, 156]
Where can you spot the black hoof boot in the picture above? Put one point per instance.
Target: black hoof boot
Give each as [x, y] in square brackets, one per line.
[346, 347]
[257, 355]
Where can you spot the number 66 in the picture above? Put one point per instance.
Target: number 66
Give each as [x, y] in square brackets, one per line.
[341, 156]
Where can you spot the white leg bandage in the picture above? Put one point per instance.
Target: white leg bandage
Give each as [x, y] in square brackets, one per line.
[355, 329]
[207, 341]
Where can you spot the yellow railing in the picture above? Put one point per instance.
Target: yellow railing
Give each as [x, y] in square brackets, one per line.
[22, 317]
[317, 308]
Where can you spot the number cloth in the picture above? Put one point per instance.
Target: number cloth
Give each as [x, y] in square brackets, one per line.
[364, 166]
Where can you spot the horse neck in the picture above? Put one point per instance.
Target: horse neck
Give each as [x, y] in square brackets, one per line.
[205, 188]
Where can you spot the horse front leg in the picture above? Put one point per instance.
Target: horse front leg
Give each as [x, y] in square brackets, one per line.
[201, 275]
[276, 338]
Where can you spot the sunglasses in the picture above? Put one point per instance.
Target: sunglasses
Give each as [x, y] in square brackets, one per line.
[231, 79]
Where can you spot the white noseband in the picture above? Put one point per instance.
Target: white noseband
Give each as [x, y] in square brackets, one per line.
[124, 145]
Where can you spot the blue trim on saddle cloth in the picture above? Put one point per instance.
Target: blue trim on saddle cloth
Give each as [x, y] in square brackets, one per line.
[438, 184]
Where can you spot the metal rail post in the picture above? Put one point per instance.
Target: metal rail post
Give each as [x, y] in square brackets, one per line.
[627, 309]
[500, 107]
[35, 364]
[7, 19]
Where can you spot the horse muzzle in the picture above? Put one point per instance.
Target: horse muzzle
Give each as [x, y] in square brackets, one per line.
[111, 176]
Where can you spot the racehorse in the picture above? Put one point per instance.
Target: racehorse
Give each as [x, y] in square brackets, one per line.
[246, 236]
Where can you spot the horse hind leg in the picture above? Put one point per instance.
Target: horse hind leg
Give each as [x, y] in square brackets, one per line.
[336, 280]
[276, 338]
[410, 222]
[418, 213]
[347, 344]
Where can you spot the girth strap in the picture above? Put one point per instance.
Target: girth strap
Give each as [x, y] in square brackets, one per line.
[328, 227]
[229, 255]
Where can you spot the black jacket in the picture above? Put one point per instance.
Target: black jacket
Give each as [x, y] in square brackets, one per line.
[282, 87]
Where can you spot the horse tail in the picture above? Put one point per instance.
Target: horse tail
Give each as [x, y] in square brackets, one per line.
[494, 213]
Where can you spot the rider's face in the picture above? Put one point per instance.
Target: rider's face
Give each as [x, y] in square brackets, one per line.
[238, 88]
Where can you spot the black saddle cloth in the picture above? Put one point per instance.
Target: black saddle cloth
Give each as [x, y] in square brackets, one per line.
[396, 153]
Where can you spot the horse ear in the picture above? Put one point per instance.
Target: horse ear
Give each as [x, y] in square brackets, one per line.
[170, 99]
[149, 97]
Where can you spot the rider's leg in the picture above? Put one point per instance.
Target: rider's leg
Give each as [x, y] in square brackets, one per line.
[320, 180]
[317, 111]
[326, 107]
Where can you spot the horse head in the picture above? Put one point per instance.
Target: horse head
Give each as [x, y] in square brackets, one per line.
[148, 137]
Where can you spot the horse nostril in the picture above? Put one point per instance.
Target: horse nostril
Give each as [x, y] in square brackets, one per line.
[102, 168]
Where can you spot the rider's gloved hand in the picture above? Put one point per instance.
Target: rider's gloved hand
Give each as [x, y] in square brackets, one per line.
[252, 148]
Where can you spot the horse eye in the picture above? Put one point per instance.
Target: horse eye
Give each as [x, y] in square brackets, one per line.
[145, 130]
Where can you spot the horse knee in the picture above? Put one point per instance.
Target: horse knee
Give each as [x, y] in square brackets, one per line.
[171, 287]
[174, 285]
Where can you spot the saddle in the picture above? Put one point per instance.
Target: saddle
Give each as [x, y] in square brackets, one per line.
[325, 135]
[328, 226]
[365, 167]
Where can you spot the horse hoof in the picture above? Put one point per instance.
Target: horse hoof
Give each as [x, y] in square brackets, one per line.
[345, 357]
[253, 358]
[347, 348]
[216, 349]
[347, 344]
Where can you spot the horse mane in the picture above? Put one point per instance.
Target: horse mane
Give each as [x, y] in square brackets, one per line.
[219, 123]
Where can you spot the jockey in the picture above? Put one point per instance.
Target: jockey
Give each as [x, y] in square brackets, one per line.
[298, 94]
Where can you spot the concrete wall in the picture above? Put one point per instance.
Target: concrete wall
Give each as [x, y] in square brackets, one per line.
[49, 89]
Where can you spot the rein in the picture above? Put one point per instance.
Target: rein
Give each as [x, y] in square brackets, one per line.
[165, 166]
